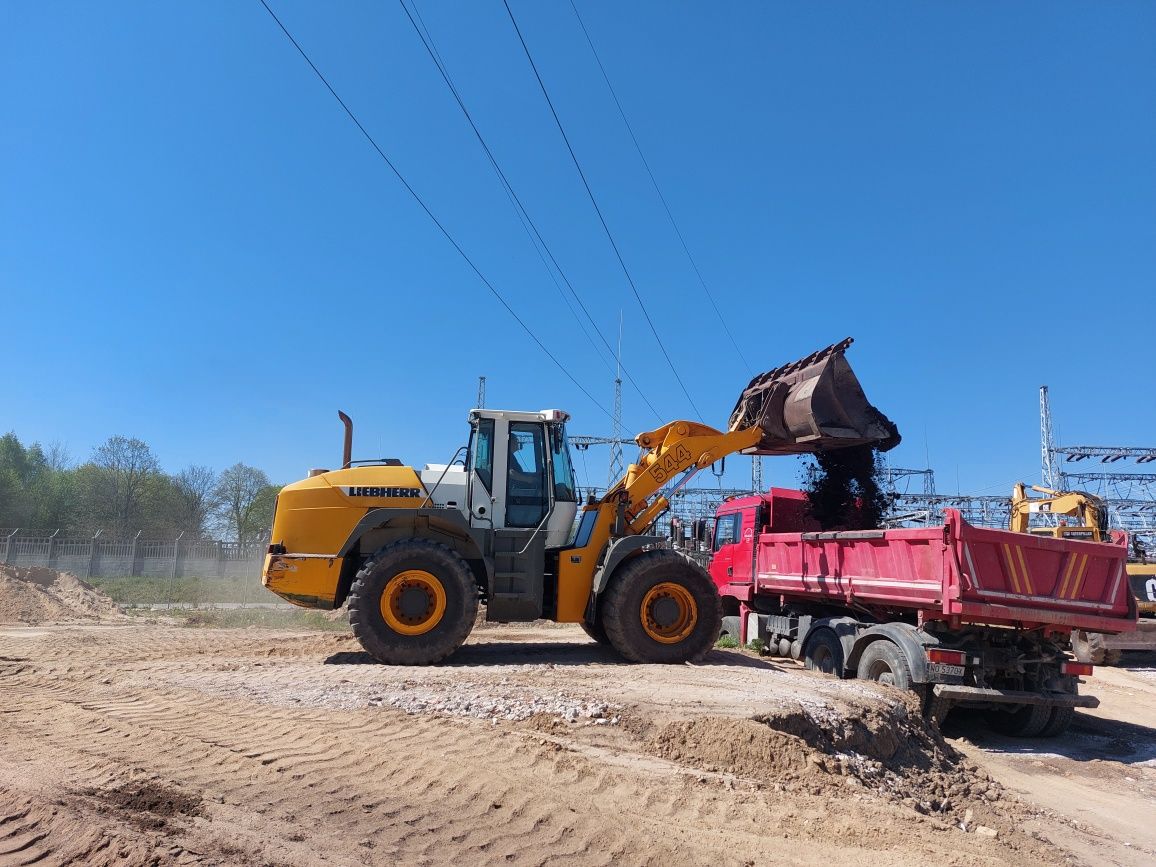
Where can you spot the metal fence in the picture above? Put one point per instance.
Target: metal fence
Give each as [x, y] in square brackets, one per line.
[98, 555]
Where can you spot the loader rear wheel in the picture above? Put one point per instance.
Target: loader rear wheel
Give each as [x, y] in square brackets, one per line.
[413, 603]
[661, 607]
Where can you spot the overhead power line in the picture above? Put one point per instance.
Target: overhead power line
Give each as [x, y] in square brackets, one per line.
[421, 202]
[658, 190]
[524, 217]
[598, 210]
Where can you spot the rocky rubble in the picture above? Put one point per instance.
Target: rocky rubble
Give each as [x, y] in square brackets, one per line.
[488, 701]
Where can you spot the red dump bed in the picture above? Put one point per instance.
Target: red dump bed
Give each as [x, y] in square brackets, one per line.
[954, 571]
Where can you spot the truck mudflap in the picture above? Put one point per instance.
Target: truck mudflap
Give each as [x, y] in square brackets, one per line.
[982, 695]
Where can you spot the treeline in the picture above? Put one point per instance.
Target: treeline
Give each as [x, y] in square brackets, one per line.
[121, 489]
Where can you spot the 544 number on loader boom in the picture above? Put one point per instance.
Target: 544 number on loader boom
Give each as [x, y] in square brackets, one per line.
[416, 552]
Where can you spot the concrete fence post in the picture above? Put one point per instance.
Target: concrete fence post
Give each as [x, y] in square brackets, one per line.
[51, 561]
[8, 546]
[133, 570]
[93, 547]
[176, 558]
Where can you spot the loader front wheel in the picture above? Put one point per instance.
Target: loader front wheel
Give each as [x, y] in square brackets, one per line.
[596, 630]
[661, 607]
[413, 603]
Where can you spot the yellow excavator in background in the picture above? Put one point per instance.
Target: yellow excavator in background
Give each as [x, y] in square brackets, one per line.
[415, 552]
[1088, 510]
[1091, 523]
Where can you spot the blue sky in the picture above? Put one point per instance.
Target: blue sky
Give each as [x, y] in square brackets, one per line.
[198, 248]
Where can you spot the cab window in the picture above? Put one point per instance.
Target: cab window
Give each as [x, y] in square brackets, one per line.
[563, 470]
[527, 499]
[482, 452]
[726, 529]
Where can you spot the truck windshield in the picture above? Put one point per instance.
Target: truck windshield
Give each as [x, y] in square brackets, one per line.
[563, 470]
[726, 529]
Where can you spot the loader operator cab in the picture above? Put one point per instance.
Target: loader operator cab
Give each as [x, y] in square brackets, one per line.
[520, 473]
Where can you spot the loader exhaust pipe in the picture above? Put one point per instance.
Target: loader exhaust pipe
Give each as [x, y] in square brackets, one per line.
[812, 405]
[347, 448]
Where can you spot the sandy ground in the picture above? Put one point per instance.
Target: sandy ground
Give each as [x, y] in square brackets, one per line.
[1099, 778]
[160, 744]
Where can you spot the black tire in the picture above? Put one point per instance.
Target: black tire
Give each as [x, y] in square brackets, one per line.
[1088, 647]
[732, 626]
[884, 662]
[595, 630]
[383, 642]
[1058, 722]
[636, 584]
[937, 708]
[824, 653]
[1026, 721]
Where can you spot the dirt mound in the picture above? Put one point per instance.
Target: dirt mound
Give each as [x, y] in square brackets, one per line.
[148, 803]
[891, 751]
[35, 595]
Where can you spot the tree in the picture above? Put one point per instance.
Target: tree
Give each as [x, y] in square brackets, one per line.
[245, 502]
[124, 468]
[195, 489]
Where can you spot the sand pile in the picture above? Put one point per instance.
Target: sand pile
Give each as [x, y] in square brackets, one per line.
[36, 595]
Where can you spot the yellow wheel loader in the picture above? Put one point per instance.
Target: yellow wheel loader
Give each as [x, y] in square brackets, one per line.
[416, 552]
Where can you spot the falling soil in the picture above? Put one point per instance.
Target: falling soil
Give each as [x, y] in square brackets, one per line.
[35, 595]
[843, 491]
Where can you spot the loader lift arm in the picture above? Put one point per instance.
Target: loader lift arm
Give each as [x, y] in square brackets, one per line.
[673, 449]
[813, 404]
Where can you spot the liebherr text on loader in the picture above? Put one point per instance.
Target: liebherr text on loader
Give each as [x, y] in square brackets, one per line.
[415, 552]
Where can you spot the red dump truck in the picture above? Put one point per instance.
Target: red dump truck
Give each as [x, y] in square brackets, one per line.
[963, 615]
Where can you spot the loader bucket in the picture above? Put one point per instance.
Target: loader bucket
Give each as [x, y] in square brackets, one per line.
[810, 405]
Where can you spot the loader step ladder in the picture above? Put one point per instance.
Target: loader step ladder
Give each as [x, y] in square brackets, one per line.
[519, 564]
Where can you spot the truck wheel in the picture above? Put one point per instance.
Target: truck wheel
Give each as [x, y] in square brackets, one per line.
[413, 603]
[1026, 721]
[883, 662]
[1058, 722]
[824, 652]
[661, 607]
[731, 626]
[1089, 647]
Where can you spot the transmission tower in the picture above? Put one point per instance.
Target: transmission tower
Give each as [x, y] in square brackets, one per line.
[1049, 471]
[481, 393]
[616, 466]
[756, 474]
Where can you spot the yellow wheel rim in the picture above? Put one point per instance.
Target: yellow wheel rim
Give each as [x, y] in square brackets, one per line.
[413, 603]
[668, 612]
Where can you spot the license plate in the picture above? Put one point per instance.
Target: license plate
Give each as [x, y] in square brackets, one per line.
[940, 669]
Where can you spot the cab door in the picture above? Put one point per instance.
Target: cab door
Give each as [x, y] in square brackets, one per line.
[528, 489]
[726, 537]
[743, 550]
